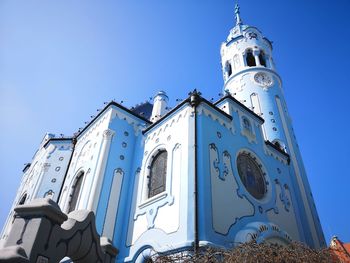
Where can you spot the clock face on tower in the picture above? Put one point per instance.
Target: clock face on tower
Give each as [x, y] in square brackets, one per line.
[263, 79]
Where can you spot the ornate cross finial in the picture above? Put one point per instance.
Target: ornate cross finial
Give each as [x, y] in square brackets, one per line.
[237, 12]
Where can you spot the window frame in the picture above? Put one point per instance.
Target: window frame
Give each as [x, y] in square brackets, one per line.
[268, 198]
[150, 175]
[143, 200]
[80, 175]
[249, 161]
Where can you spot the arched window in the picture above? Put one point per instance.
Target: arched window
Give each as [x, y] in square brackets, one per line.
[23, 199]
[246, 124]
[228, 69]
[250, 58]
[157, 177]
[75, 193]
[262, 58]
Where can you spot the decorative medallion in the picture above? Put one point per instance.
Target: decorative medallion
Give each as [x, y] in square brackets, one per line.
[263, 79]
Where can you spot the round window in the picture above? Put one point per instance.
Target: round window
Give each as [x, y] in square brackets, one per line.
[251, 175]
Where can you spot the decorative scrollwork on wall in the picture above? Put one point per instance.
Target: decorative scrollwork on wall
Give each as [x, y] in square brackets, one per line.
[224, 193]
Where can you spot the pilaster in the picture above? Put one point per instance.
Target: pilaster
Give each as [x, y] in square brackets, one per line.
[100, 170]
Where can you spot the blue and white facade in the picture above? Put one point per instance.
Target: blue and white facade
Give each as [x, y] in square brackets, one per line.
[232, 172]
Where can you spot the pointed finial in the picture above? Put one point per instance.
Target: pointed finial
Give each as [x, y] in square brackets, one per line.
[237, 12]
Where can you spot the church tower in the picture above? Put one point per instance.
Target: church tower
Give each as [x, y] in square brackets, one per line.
[250, 76]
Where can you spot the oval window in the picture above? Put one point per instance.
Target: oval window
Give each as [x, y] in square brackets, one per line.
[251, 175]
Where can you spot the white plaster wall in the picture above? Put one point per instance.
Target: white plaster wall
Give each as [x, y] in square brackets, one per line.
[164, 219]
[163, 210]
[85, 159]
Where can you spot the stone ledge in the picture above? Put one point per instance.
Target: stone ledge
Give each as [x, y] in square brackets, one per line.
[13, 254]
[42, 207]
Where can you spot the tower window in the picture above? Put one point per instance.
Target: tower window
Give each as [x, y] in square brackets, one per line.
[75, 193]
[262, 59]
[250, 59]
[157, 177]
[228, 69]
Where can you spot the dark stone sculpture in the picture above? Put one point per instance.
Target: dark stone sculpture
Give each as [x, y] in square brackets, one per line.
[42, 233]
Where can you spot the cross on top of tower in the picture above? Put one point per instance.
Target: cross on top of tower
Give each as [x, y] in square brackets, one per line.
[237, 13]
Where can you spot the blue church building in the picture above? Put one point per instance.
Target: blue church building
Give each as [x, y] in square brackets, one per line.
[162, 179]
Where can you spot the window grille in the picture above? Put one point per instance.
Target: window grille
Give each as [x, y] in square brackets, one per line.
[157, 177]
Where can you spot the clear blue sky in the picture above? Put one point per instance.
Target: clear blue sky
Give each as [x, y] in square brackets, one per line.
[60, 60]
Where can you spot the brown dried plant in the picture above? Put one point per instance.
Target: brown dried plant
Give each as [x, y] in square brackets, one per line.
[254, 253]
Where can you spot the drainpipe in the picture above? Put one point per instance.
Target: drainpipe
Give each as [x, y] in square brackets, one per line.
[194, 101]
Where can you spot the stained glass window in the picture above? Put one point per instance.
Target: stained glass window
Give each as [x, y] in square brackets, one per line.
[251, 175]
[75, 194]
[157, 177]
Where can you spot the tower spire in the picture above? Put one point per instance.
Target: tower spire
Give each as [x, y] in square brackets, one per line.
[237, 13]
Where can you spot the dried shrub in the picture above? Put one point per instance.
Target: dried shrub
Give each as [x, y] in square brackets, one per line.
[254, 253]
